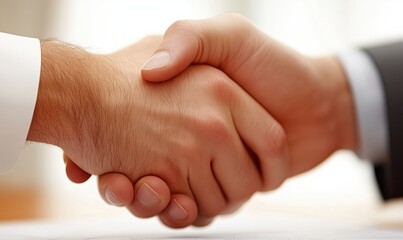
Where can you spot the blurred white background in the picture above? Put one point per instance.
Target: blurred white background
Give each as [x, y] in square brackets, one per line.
[313, 27]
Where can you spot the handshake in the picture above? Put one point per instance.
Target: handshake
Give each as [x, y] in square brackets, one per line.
[218, 112]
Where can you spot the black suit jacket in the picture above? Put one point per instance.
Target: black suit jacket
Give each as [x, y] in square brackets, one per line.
[389, 61]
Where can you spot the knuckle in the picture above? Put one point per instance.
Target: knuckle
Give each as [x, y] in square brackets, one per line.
[220, 86]
[189, 149]
[215, 127]
[194, 34]
[275, 144]
[185, 26]
[274, 139]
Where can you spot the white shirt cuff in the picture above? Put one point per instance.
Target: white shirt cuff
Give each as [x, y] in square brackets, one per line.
[370, 105]
[20, 63]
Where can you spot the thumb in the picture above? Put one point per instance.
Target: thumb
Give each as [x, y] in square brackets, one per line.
[213, 41]
[176, 52]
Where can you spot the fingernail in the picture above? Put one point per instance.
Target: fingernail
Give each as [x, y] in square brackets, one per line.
[158, 60]
[176, 211]
[147, 196]
[111, 198]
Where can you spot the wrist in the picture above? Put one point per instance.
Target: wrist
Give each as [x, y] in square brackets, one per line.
[65, 94]
[340, 98]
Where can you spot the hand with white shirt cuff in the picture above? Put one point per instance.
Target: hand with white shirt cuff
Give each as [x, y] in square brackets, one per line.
[197, 136]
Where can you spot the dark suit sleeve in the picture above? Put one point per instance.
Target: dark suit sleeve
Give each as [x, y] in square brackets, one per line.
[389, 61]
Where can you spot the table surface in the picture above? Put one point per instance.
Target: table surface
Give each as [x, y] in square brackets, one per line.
[243, 226]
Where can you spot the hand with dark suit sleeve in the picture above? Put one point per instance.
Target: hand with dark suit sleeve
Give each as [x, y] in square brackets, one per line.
[272, 74]
[310, 97]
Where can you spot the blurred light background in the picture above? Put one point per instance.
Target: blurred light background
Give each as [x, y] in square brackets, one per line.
[314, 27]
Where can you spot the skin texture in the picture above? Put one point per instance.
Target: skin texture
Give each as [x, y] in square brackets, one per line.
[309, 97]
[190, 132]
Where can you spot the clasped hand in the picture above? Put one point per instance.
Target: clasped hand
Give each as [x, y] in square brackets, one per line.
[199, 144]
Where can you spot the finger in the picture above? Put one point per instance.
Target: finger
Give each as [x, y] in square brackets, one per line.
[181, 212]
[116, 189]
[232, 172]
[180, 194]
[236, 172]
[74, 172]
[209, 196]
[148, 198]
[264, 136]
[152, 196]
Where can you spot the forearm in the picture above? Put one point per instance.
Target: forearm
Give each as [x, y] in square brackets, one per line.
[66, 95]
